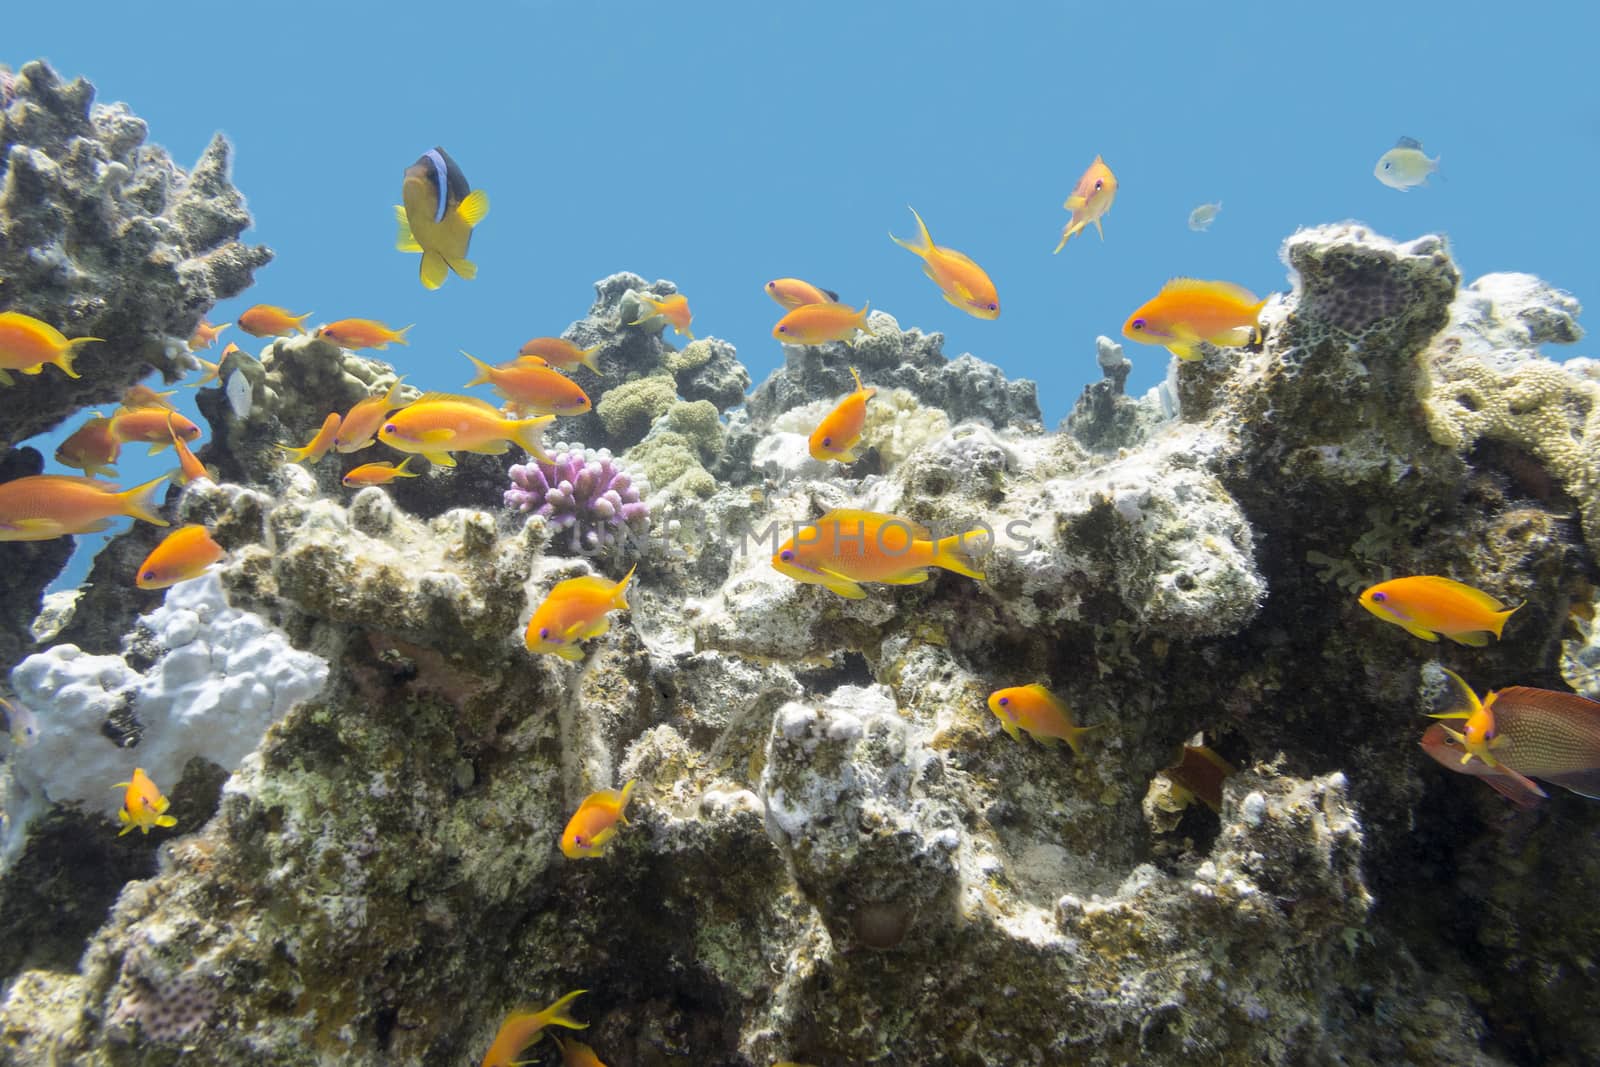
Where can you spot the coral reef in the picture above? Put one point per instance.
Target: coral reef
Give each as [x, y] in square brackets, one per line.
[101, 235]
[584, 495]
[835, 855]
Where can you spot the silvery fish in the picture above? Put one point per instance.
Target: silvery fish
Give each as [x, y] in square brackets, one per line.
[1201, 217]
[239, 394]
[1405, 165]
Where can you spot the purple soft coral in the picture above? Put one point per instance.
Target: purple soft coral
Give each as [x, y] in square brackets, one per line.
[584, 492]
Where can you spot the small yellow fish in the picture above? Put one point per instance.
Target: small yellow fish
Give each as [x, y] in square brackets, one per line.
[205, 335]
[1428, 606]
[268, 320]
[817, 324]
[837, 435]
[792, 293]
[594, 824]
[1040, 712]
[92, 448]
[143, 806]
[359, 427]
[1090, 200]
[575, 610]
[43, 506]
[557, 352]
[575, 1053]
[21, 722]
[1405, 165]
[362, 333]
[28, 345]
[962, 281]
[675, 309]
[378, 473]
[845, 547]
[532, 387]
[437, 212]
[142, 396]
[1188, 311]
[320, 443]
[183, 554]
[190, 469]
[522, 1028]
[439, 424]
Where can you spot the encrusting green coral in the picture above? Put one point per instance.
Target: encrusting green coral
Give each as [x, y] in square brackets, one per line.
[628, 410]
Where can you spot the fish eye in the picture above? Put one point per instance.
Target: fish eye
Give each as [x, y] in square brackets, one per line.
[1386, 166]
[783, 329]
[388, 427]
[994, 307]
[786, 554]
[1004, 701]
[1099, 183]
[1380, 597]
[580, 841]
[149, 576]
[827, 442]
[544, 631]
[1137, 324]
[772, 285]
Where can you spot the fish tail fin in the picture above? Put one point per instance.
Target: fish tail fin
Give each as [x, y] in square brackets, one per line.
[391, 397]
[300, 322]
[65, 357]
[1075, 734]
[1066, 234]
[954, 553]
[1500, 618]
[467, 269]
[142, 501]
[866, 309]
[587, 357]
[485, 372]
[653, 304]
[296, 455]
[404, 469]
[619, 594]
[529, 433]
[926, 239]
[1099, 230]
[556, 1014]
[434, 269]
[627, 792]
[400, 336]
[404, 241]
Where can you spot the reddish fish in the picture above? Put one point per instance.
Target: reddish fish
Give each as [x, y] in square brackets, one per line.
[1537, 733]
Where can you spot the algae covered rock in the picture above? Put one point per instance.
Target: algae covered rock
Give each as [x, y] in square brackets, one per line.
[104, 236]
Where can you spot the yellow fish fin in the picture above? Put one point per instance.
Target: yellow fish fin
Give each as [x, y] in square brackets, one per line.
[954, 553]
[587, 357]
[1419, 631]
[915, 577]
[144, 501]
[529, 433]
[404, 241]
[1220, 290]
[490, 448]
[485, 372]
[472, 210]
[1474, 638]
[166, 820]
[6, 378]
[434, 269]
[1075, 736]
[1184, 350]
[1074, 202]
[467, 269]
[1477, 596]
[443, 459]
[847, 455]
[1011, 729]
[841, 585]
[103, 524]
[858, 520]
[922, 231]
[1066, 234]
[1237, 337]
[1099, 229]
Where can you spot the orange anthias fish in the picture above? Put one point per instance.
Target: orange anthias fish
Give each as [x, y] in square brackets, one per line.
[1188, 311]
[1040, 712]
[594, 824]
[143, 806]
[522, 1028]
[1090, 200]
[440, 424]
[1440, 743]
[532, 387]
[377, 474]
[675, 309]
[27, 345]
[152, 425]
[556, 352]
[42, 506]
[359, 427]
[1527, 732]
[319, 445]
[183, 554]
[575, 1053]
[837, 435]
[190, 469]
[437, 213]
[92, 448]
[847, 547]
[793, 293]
[817, 324]
[575, 610]
[1198, 773]
[362, 333]
[267, 320]
[142, 396]
[205, 335]
[962, 281]
[1427, 606]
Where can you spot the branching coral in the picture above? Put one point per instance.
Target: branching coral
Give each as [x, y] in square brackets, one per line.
[583, 492]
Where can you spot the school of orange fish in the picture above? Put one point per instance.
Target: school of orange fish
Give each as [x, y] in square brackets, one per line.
[1508, 737]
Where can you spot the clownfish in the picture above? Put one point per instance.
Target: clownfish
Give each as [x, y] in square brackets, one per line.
[437, 212]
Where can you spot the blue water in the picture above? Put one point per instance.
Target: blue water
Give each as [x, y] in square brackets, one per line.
[723, 144]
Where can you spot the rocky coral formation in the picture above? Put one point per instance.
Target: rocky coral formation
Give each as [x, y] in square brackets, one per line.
[834, 854]
[101, 235]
